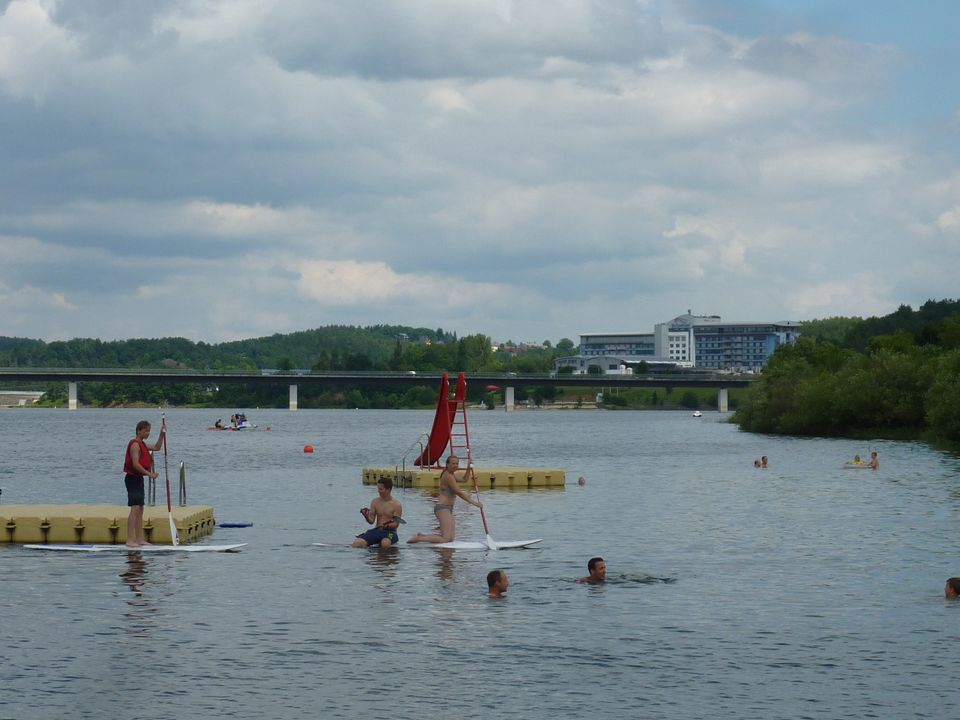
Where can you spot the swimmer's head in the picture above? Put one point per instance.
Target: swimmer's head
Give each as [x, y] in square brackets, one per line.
[952, 589]
[597, 568]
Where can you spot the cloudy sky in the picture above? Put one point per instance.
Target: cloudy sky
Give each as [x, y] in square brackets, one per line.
[529, 169]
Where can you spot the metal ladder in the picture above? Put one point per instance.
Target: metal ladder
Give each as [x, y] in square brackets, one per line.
[460, 431]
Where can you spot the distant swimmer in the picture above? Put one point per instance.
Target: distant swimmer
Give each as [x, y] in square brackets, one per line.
[874, 461]
[952, 590]
[597, 569]
[386, 513]
[756, 463]
[763, 461]
[581, 482]
[443, 508]
[497, 583]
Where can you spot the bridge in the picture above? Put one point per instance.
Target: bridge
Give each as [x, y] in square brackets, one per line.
[507, 381]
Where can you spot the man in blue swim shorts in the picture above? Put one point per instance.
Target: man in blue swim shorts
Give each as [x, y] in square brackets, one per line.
[386, 513]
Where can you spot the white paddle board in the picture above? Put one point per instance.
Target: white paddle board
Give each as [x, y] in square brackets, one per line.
[147, 548]
[458, 545]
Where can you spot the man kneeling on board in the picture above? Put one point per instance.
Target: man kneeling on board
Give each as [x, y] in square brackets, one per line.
[385, 512]
[497, 583]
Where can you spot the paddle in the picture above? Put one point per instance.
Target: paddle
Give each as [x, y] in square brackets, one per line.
[483, 515]
[166, 473]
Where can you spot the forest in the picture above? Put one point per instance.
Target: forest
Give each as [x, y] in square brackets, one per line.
[334, 347]
[892, 376]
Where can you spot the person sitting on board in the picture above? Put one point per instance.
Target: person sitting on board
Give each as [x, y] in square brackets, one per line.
[386, 512]
[952, 589]
[443, 508]
[874, 462]
[597, 569]
[136, 463]
[218, 424]
[857, 460]
[497, 583]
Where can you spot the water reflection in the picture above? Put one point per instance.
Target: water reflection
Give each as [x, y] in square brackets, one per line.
[445, 566]
[639, 579]
[137, 618]
[135, 574]
[384, 560]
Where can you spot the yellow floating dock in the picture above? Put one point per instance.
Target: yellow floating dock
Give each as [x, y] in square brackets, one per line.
[99, 524]
[508, 478]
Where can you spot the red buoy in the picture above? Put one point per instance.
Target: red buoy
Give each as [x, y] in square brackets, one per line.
[308, 448]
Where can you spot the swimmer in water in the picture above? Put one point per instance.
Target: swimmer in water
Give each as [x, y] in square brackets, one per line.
[952, 589]
[598, 571]
[497, 584]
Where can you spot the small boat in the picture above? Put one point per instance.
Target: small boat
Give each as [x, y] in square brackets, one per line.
[244, 425]
[697, 413]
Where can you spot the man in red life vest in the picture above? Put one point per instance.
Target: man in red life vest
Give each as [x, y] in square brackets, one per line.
[137, 463]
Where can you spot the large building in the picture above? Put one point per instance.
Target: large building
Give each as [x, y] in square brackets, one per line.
[687, 341]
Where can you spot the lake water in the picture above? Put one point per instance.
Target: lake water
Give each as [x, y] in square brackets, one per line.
[800, 591]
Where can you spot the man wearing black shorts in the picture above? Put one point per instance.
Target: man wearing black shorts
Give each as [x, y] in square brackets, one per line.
[386, 513]
[136, 463]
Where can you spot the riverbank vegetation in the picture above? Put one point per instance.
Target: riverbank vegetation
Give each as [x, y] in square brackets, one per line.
[894, 376]
[331, 348]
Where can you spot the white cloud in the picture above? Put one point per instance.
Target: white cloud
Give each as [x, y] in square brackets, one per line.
[862, 294]
[826, 165]
[516, 168]
[364, 283]
[33, 50]
[22, 298]
[949, 219]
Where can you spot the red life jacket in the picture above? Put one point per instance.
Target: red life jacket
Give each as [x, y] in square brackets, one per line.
[146, 459]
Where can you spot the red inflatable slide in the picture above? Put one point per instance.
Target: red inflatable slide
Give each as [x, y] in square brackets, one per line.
[443, 420]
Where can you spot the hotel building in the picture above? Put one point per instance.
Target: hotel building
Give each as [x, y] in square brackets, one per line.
[687, 341]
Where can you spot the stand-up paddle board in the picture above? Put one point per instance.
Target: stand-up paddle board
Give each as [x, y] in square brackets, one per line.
[145, 548]
[857, 466]
[470, 545]
[457, 545]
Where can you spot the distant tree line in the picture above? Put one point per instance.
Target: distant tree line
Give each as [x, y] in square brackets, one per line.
[895, 375]
[330, 348]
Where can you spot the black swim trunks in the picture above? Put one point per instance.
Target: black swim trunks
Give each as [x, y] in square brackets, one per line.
[135, 493]
[377, 535]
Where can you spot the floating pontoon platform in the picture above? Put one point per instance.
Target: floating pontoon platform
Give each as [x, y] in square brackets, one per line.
[506, 478]
[96, 524]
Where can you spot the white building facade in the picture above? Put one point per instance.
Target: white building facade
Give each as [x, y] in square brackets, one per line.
[687, 341]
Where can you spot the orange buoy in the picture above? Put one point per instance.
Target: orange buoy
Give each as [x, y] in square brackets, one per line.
[308, 448]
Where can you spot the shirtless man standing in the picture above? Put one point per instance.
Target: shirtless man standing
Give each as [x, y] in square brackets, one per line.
[443, 509]
[386, 513]
[874, 462]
